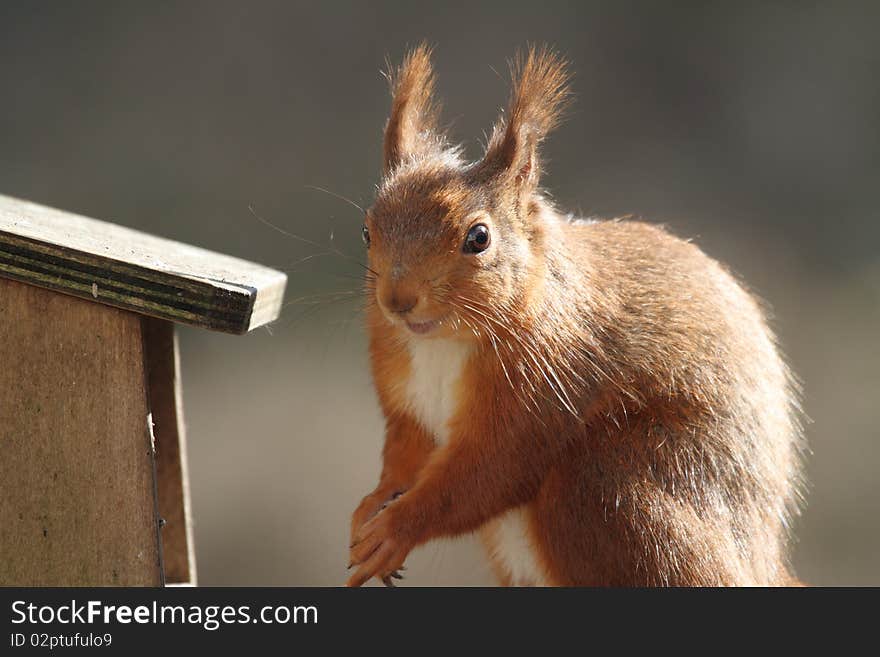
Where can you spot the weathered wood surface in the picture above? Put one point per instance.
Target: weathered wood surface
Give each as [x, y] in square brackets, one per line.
[77, 477]
[163, 376]
[133, 270]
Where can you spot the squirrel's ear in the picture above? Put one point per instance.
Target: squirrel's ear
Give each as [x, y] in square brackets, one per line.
[539, 97]
[412, 126]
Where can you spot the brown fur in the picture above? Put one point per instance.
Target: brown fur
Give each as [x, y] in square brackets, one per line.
[412, 125]
[623, 388]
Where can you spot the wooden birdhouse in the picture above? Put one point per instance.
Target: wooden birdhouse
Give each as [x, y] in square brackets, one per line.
[93, 475]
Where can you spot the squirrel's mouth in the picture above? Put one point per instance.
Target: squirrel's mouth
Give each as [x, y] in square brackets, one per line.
[423, 328]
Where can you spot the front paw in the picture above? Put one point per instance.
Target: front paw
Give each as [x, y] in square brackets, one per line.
[371, 505]
[380, 547]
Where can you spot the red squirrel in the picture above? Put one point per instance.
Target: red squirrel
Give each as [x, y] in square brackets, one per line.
[601, 399]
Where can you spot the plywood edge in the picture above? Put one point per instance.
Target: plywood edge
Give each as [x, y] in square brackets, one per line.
[128, 269]
[268, 304]
[172, 480]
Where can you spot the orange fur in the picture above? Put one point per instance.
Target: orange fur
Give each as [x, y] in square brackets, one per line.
[617, 383]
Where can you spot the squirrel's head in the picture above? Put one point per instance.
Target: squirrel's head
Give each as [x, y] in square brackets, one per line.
[452, 245]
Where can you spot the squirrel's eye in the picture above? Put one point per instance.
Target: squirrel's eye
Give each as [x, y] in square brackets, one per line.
[365, 234]
[477, 239]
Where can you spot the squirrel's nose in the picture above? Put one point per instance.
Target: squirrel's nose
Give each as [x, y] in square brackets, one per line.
[403, 303]
[399, 300]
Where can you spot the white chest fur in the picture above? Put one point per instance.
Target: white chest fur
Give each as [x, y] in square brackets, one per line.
[432, 388]
[433, 395]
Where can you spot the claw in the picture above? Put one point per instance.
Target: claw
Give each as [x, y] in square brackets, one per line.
[395, 575]
[387, 581]
[394, 497]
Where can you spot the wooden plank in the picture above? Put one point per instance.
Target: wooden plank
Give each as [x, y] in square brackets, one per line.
[132, 270]
[163, 376]
[77, 478]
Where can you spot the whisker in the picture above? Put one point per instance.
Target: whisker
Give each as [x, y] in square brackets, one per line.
[339, 196]
[281, 230]
[314, 299]
[299, 238]
[311, 308]
[295, 263]
[493, 337]
[546, 371]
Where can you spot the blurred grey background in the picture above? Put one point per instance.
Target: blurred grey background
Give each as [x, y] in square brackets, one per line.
[753, 129]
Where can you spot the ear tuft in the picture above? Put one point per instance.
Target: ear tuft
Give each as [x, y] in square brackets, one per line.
[539, 98]
[412, 125]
